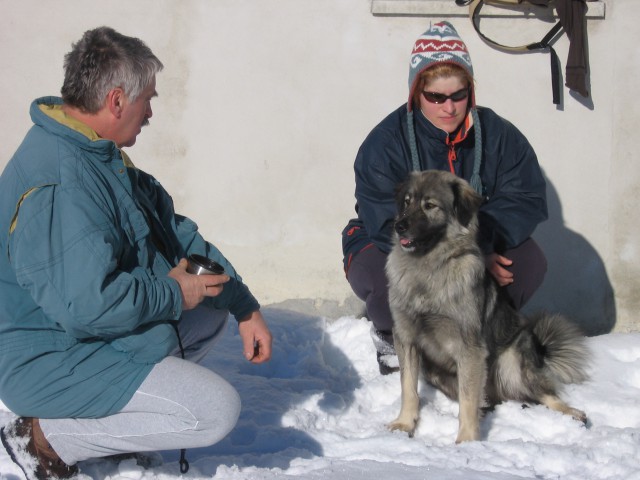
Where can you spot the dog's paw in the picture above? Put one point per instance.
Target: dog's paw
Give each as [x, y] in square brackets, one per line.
[468, 434]
[405, 426]
[466, 438]
[578, 415]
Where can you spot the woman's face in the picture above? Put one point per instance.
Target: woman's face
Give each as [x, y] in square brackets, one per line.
[449, 114]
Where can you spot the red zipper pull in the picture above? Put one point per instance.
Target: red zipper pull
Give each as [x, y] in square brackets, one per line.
[452, 157]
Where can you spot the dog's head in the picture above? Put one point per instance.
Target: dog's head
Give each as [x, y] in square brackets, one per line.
[431, 206]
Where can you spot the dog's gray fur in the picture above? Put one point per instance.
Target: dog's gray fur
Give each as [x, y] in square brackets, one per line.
[451, 319]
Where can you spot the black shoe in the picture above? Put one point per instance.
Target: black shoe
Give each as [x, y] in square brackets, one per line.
[384, 362]
[385, 351]
[145, 460]
[28, 448]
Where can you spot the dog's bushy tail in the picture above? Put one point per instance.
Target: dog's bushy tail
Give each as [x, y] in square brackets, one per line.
[564, 347]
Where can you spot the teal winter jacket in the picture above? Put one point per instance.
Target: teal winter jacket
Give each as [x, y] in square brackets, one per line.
[86, 306]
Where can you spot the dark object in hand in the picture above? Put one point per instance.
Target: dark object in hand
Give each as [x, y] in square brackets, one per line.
[200, 265]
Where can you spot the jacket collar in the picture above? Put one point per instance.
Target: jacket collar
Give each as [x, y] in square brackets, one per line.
[46, 113]
[56, 112]
[444, 137]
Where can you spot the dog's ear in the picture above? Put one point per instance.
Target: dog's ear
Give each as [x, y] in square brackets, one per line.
[466, 201]
[401, 192]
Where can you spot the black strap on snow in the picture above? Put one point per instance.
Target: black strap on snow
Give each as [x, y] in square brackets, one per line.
[158, 236]
[184, 463]
[474, 11]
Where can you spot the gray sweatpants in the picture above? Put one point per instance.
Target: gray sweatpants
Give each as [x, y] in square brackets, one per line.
[179, 405]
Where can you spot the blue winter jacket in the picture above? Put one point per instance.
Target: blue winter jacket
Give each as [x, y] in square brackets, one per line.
[86, 306]
[514, 187]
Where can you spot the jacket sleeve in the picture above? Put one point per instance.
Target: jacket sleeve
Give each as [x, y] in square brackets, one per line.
[235, 295]
[378, 173]
[516, 189]
[65, 249]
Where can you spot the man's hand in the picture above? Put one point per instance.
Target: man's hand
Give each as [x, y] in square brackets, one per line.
[256, 338]
[496, 265]
[195, 288]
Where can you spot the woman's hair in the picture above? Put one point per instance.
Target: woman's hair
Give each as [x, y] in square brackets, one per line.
[102, 60]
[440, 70]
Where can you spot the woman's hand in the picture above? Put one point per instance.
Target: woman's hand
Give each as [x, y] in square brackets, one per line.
[496, 265]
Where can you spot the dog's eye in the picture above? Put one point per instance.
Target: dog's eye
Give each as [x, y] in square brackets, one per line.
[407, 201]
[428, 205]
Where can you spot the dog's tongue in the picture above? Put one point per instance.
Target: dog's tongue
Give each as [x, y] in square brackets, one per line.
[405, 241]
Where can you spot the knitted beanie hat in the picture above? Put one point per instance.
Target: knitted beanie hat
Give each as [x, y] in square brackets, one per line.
[440, 44]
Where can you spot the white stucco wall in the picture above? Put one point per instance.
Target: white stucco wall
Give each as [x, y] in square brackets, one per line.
[264, 103]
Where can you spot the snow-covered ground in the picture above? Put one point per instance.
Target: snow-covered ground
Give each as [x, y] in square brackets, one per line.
[318, 410]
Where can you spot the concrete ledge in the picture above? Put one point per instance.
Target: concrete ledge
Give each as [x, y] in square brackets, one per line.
[448, 8]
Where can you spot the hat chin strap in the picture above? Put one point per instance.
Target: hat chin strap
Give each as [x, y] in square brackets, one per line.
[476, 181]
[413, 147]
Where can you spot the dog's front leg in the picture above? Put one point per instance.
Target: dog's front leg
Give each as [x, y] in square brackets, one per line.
[409, 368]
[472, 377]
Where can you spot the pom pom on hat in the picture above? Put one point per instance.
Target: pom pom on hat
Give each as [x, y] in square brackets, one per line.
[439, 44]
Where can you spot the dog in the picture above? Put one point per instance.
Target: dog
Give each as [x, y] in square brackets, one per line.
[455, 326]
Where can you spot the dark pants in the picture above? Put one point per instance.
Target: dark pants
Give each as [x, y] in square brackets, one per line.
[369, 282]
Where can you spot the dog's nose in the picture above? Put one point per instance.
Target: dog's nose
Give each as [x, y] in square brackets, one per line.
[401, 226]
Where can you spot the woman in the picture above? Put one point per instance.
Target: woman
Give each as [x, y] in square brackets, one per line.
[441, 128]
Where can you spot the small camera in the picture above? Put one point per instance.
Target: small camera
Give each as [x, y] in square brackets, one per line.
[200, 265]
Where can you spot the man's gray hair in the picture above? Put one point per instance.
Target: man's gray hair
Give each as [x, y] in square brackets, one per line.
[102, 60]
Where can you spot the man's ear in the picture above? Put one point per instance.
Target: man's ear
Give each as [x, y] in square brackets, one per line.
[115, 101]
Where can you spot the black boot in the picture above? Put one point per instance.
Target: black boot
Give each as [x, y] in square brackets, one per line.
[385, 351]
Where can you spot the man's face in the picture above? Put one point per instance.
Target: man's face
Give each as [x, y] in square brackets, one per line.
[135, 115]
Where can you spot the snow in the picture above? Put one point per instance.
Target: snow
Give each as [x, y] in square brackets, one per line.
[319, 410]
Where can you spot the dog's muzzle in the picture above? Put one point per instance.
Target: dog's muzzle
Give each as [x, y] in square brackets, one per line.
[401, 227]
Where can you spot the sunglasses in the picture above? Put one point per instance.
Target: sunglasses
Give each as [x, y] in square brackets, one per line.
[433, 97]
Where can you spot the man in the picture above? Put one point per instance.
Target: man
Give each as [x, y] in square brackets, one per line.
[96, 304]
